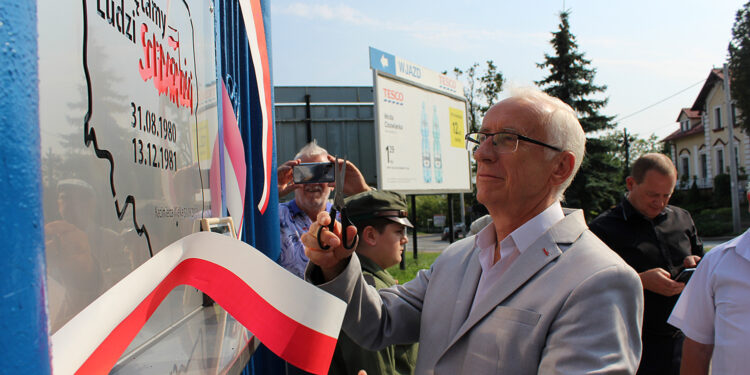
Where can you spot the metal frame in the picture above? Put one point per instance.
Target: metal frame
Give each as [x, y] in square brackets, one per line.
[25, 341]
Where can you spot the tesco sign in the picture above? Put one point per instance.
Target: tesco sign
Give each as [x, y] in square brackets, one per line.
[393, 95]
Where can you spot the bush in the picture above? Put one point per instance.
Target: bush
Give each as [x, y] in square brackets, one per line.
[427, 207]
[694, 194]
[722, 195]
[692, 200]
[714, 222]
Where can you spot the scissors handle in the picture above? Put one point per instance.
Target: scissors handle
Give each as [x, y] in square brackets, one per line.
[345, 222]
[330, 227]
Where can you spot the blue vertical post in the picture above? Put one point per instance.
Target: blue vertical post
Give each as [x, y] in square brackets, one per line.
[24, 338]
[268, 223]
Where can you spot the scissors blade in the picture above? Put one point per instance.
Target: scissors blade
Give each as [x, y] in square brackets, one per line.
[340, 178]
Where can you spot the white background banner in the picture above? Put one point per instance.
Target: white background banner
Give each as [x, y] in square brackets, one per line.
[420, 139]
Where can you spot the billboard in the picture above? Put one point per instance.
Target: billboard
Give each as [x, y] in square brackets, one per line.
[420, 127]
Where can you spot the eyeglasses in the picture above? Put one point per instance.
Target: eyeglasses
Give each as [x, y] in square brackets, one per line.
[504, 142]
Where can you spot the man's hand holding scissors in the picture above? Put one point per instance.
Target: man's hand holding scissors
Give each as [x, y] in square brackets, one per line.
[334, 259]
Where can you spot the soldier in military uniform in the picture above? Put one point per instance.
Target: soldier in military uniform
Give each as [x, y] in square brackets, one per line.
[380, 218]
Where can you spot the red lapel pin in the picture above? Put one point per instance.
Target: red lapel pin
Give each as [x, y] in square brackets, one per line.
[545, 251]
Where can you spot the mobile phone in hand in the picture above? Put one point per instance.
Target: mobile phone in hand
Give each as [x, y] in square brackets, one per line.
[313, 173]
[684, 275]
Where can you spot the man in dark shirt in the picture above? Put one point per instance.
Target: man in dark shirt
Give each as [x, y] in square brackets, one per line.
[658, 241]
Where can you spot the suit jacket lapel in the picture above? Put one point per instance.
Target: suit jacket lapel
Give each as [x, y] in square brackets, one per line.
[466, 291]
[544, 250]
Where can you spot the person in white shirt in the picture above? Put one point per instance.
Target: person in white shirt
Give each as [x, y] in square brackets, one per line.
[714, 311]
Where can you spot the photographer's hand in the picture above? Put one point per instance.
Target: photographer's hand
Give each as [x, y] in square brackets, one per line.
[355, 182]
[285, 177]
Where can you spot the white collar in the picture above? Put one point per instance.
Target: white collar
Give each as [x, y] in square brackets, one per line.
[526, 234]
[741, 245]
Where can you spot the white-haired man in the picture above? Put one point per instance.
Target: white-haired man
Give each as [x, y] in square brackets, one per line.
[295, 216]
[533, 292]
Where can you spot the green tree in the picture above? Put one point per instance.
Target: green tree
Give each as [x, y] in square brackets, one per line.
[739, 65]
[481, 90]
[571, 79]
[428, 206]
[491, 85]
[636, 147]
[471, 93]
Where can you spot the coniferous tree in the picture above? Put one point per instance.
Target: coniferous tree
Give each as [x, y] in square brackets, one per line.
[739, 65]
[598, 184]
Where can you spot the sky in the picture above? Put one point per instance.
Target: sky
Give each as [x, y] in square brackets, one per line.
[653, 56]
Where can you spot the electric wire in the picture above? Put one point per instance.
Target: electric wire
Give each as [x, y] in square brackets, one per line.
[618, 118]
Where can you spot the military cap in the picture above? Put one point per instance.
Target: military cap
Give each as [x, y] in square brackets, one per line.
[377, 203]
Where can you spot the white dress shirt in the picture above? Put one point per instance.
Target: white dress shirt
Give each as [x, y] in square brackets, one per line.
[714, 307]
[511, 247]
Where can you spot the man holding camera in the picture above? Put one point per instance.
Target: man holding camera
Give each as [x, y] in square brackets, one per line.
[658, 241]
[310, 199]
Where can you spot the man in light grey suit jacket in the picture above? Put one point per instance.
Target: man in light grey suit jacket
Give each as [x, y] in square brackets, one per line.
[534, 292]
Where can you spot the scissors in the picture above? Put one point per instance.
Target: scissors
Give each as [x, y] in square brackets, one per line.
[339, 206]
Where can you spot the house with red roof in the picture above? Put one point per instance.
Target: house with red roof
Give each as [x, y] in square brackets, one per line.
[700, 147]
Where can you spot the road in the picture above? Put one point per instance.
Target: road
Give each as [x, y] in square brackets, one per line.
[713, 241]
[427, 243]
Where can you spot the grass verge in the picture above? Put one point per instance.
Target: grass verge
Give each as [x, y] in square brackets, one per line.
[423, 261]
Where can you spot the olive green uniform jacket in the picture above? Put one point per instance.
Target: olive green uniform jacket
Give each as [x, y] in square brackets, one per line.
[349, 357]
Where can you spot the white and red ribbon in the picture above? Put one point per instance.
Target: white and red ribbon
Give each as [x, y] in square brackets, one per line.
[294, 319]
[252, 16]
[235, 169]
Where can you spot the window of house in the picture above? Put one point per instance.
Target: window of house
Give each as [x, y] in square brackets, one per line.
[717, 118]
[704, 165]
[737, 156]
[686, 166]
[685, 125]
[720, 161]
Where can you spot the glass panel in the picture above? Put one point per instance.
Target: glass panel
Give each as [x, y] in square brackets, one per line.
[208, 342]
[131, 178]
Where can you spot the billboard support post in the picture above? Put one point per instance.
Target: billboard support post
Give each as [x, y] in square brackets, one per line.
[451, 226]
[414, 222]
[463, 210]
